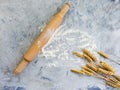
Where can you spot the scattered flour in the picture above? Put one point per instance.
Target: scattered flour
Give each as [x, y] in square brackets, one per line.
[65, 41]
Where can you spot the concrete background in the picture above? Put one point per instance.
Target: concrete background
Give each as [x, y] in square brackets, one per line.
[94, 24]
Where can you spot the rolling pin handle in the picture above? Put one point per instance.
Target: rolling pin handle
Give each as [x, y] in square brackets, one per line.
[22, 64]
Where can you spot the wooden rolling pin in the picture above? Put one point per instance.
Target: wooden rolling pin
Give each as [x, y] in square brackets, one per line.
[42, 39]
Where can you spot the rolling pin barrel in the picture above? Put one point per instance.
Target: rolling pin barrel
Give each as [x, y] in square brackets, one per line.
[42, 39]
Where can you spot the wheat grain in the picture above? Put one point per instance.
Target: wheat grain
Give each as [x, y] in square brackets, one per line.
[106, 66]
[103, 54]
[87, 72]
[86, 51]
[78, 54]
[77, 71]
[92, 67]
[102, 71]
[87, 58]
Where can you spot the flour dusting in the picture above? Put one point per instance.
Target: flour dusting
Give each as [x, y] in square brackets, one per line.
[65, 41]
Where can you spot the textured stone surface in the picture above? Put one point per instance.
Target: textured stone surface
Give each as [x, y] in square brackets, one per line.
[94, 24]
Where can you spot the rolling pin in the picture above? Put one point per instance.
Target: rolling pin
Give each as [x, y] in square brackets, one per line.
[42, 39]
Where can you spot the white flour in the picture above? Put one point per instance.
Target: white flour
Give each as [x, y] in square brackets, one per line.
[65, 41]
